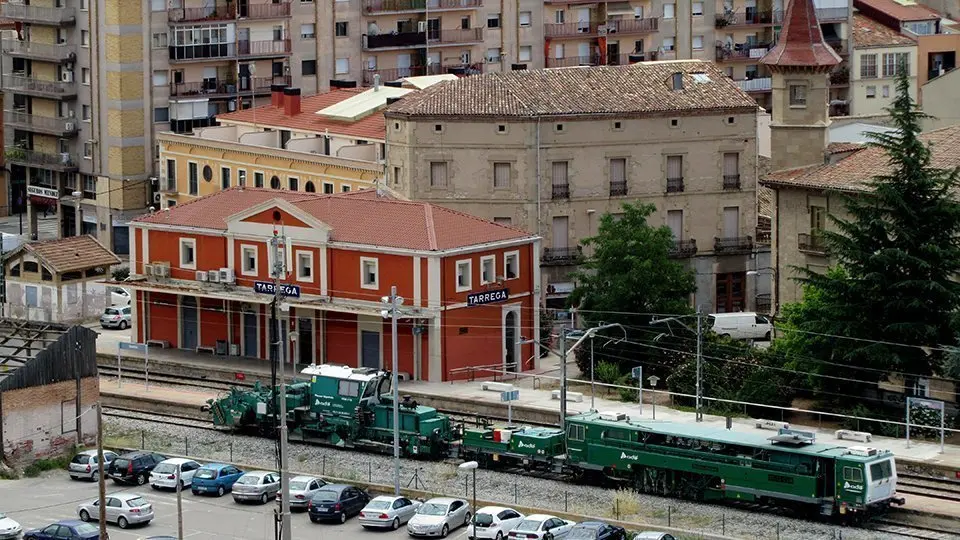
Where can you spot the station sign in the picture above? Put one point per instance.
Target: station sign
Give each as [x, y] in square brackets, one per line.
[42, 192]
[488, 297]
[267, 287]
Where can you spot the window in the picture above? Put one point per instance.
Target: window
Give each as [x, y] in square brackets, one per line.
[160, 77]
[880, 470]
[188, 253]
[438, 174]
[511, 265]
[84, 38]
[818, 218]
[258, 179]
[309, 187]
[342, 66]
[524, 19]
[241, 177]
[171, 175]
[85, 113]
[798, 95]
[293, 183]
[328, 187]
[85, 75]
[488, 269]
[161, 114]
[576, 432]
[493, 54]
[88, 149]
[193, 179]
[668, 43]
[558, 16]
[868, 66]
[697, 9]
[155, 5]
[160, 40]
[892, 63]
[369, 277]
[308, 67]
[871, 92]
[669, 11]
[348, 388]
[503, 221]
[493, 20]
[526, 53]
[224, 177]
[501, 175]
[618, 176]
[731, 170]
[304, 266]
[308, 31]
[698, 43]
[340, 29]
[674, 167]
[248, 260]
[345, 188]
[885, 91]
[852, 474]
[464, 269]
[85, 5]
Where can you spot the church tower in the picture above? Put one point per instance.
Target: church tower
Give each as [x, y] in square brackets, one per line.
[800, 65]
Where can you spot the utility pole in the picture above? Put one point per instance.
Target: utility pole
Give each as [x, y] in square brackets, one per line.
[393, 312]
[102, 485]
[563, 378]
[699, 362]
[179, 502]
[278, 243]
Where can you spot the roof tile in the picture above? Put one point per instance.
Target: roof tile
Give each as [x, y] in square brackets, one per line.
[898, 10]
[869, 33]
[72, 253]
[801, 40]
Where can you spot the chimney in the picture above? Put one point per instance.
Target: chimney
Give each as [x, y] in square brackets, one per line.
[518, 67]
[276, 95]
[291, 101]
[376, 82]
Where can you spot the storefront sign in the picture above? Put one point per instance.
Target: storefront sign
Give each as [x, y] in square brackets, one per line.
[487, 297]
[46, 193]
[267, 287]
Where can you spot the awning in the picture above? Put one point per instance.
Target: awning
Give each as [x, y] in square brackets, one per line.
[172, 288]
[324, 304]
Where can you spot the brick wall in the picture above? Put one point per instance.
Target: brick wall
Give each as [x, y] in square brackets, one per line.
[40, 421]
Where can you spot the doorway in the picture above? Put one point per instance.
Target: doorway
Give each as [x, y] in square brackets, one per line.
[369, 349]
[250, 348]
[305, 340]
[511, 336]
[189, 329]
[731, 296]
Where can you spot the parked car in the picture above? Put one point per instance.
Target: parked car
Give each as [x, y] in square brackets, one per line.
[9, 529]
[740, 325]
[119, 297]
[133, 467]
[596, 530]
[653, 535]
[214, 478]
[256, 486]
[165, 474]
[68, 529]
[439, 516]
[493, 522]
[84, 465]
[302, 489]
[124, 509]
[337, 502]
[116, 317]
[387, 512]
[542, 527]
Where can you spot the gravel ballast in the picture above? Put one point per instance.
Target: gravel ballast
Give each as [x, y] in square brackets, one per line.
[444, 478]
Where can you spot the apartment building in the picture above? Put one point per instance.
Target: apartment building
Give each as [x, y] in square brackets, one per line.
[879, 54]
[551, 151]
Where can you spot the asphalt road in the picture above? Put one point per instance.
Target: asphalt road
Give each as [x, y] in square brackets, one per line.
[36, 502]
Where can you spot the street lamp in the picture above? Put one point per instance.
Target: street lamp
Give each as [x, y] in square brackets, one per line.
[392, 312]
[472, 466]
[583, 334]
[653, 386]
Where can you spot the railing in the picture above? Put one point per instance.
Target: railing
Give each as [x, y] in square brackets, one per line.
[561, 191]
[168, 185]
[811, 243]
[572, 29]
[32, 122]
[674, 185]
[633, 26]
[222, 12]
[762, 303]
[731, 181]
[683, 248]
[743, 18]
[763, 236]
[265, 10]
[181, 53]
[21, 83]
[618, 189]
[456, 35]
[562, 256]
[263, 48]
[732, 244]
[399, 39]
[763, 84]
[388, 6]
[37, 14]
[395, 74]
[571, 61]
[32, 49]
[213, 87]
[832, 14]
[741, 51]
[40, 159]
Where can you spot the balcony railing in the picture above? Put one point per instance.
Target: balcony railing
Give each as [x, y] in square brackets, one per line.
[562, 256]
[456, 35]
[28, 85]
[561, 191]
[762, 84]
[733, 244]
[40, 124]
[763, 236]
[741, 51]
[832, 14]
[38, 51]
[618, 188]
[572, 29]
[633, 26]
[683, 248]
[811, 243]
[399, 39]
[216, 88]
[275, 47]
[38, 14]
[222, 12]
[393, 6]
[674, 185]
[571, 61]
[749, 18]
[188, 53]
[762, 303]
[731, 181]
[265, 10]
[395, 74]
[33, 158]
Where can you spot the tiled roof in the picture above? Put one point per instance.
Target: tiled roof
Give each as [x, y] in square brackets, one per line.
[643, 88]
[801, 40]
[357, 217]
[843, 147]
[901, 11]
[869, 33]
[853, 172]
[368, 127]
[72, 253]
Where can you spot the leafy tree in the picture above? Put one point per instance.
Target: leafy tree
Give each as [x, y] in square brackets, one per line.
[896, 256]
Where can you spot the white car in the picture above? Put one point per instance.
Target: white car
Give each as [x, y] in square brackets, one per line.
[84, 465]
[439, 516]
[493, 522]
[388, 512]
[124, 509]
[9, 529]
[119, 297]
[541, 527]
[165, 474]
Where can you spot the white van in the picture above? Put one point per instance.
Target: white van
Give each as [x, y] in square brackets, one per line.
[740, 325]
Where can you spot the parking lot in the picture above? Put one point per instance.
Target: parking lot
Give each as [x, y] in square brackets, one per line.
[36, 502]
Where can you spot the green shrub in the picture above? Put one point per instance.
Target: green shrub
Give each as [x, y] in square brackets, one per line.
[39, 466]
[607, 372]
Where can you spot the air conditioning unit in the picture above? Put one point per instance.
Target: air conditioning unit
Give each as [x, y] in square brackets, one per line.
[200, 275]
[213, 276]
[612, 416]
[156, 198]
[69, 126]
[422, 26]
[161, 270]
[148, 269]
[66, 76]
[227, 276]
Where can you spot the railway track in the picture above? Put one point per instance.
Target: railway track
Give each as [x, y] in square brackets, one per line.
[190, 382]
[909, 530]
[945, 489]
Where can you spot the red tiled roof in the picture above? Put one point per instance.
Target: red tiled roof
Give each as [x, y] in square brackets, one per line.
[72, 253]
[801, 41]
[356, 217]
[842, 147]
[869, 33]
[898, 11]
[372, 126]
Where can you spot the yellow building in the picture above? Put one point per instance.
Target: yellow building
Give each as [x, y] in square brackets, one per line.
[878, 54]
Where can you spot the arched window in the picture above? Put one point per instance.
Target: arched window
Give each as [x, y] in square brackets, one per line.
[310, 187]
[275, 182]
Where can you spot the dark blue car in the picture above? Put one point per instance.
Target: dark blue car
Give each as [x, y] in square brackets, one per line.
[596, 530]
[215, 479]
[71, 529]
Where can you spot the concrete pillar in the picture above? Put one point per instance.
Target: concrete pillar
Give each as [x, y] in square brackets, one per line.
[32, 225]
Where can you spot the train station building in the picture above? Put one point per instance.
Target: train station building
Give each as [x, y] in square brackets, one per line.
[201, 277]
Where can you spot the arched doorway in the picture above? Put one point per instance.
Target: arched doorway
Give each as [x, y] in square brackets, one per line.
[510, 338]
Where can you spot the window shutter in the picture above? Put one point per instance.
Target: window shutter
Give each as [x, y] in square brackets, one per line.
[618, 170]
[731, 164]
[559, 173]
[674, 167]
[501, 175]
[438, 174]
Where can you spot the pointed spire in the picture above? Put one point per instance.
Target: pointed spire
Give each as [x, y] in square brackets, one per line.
[801, 42]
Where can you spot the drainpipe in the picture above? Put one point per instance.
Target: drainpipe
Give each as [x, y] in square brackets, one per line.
[776, 260]
[539, 179]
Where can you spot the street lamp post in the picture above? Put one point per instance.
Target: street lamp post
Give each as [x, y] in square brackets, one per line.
[393, 303]
[588, 333]
[472, 466]
[653, 385]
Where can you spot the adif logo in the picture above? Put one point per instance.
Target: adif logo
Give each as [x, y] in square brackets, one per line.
[623, 455]
[520, 444]
[852, 487]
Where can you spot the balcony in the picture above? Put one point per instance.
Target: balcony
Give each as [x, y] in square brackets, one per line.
[839, 45]
[838, 14]
[267, 48]
[562, 256]
[222, 12]
[38, 51]
[741, 52]
[675, 185]
[49, 16]
[395, 74]
[731, 181]
[195, 53]
[265, 10]
[374, 7]
[61, 127]
[763, 236]
[397, 40]
[32, 158]
[812, 244]
[762, 303]
[748, 18]
[732, 244]
[633, 26]
[683, 248]
[762, 84]
[572, 61]
[168, 185]
[560, 191]
[841, 77]
[618, 189]
[21, 84]
[214, 88]
[456, 35]
[573, 29]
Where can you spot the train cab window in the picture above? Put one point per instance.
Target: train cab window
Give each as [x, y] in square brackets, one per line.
[348, 388]
[851, 474]
[616, 435]
[576, 433]
[369, 390]
[881, 470]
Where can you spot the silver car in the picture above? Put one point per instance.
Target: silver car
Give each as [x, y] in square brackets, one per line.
[116, 317]
[439, 516]
[256, 486]
[388, 512]
[9, 529]
[84, 465]
[302, 489]
[124, 509]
